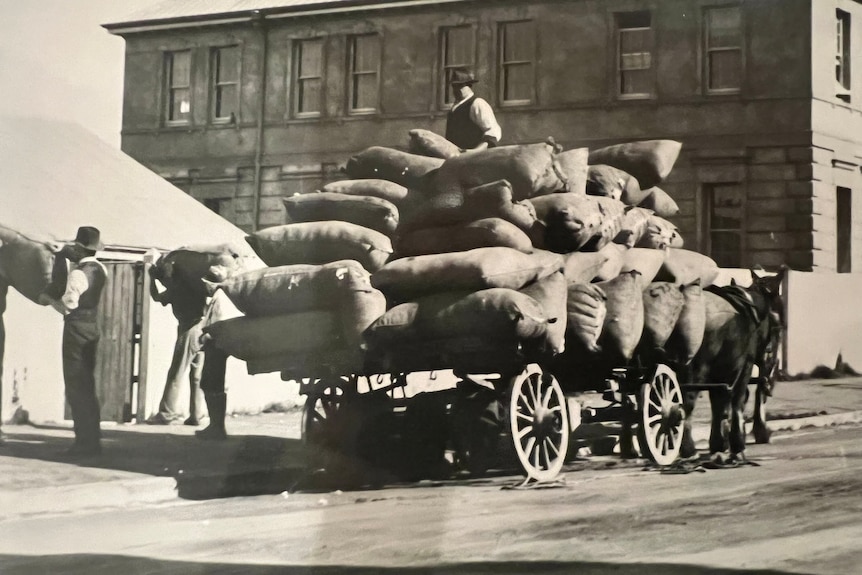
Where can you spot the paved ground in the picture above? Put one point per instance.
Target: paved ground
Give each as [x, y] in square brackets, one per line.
[143, 464]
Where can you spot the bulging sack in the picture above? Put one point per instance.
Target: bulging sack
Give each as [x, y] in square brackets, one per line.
[374, 188]
[586, 310]
[582, 267]
[568, 220]
[663, 303]
[488, 232]
[615, 255]
[687, 335]
[633, 226]
[552, 293]
[683, 266]
[409, 278]
[649, 161]
[294, 288]
[372, 213]
[624, 322]
[428, 143]
[647, 262]
[610, 182]
[660, 234]
[403, 168]
[498, 314]
[321, 243]
[530, 169]
[611, 214]
[572, 165]
[659, 202]
[188, 268]
[244, 337]
[25, 264]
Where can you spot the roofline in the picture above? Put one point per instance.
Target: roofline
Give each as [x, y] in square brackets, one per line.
[132, 27]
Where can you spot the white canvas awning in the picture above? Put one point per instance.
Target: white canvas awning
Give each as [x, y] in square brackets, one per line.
[56, 176]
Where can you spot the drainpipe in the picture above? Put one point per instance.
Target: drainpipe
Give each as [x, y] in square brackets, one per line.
[258, 20]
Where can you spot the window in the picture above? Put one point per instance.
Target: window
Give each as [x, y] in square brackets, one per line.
[178, 74]
[308, 82]
[364, 73]
[517, 54]
[213, 204]
[724, 223]
[723, 49]
[226, 82]
[635, 75]
[844, 230]
[842, 55]
[457, 50]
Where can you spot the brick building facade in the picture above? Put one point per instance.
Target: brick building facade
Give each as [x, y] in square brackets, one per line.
[241, 102]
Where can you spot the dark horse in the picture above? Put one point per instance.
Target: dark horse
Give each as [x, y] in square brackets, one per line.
[744, 327]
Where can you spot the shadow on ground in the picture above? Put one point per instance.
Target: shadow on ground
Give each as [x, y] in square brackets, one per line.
[109, 564]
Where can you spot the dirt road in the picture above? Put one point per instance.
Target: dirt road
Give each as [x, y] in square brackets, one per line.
[799, 511]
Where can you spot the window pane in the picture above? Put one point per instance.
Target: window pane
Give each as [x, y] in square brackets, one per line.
[518, 82]
[310, 58]
[725, 69]
[228, 64]
[726, 210]
[634, 20]
[632, 41]
[308, 98]
[180, 105]
[724, 25]
[365, 92]
[180, 68]
[726, 249]
[518, 41]
[365, 54]
[636, 61]
[458, 46]
[636, 82]
[226, 101]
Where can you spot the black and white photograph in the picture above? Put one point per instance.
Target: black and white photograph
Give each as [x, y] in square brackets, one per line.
[429, 287]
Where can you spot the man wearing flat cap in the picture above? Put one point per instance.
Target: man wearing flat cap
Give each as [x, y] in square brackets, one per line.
[78, 304]
[471, 124]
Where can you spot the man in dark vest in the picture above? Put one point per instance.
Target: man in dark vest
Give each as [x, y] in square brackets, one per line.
[471, 124]
[78, 304]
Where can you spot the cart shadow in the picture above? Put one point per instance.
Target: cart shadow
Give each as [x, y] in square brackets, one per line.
[93, 564]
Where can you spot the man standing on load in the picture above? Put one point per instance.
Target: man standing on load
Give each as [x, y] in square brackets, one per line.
[471, 124]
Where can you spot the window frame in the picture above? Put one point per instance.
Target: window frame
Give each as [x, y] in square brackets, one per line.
[619, 28]
[170, 88]
[843, 230]
[707, 51]
[843, 54]
[297, 80]
[502, 64]
[707, 229]
[444, 93]
[352, 74]
[217, 84]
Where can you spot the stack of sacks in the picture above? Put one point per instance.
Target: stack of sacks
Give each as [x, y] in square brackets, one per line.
[486, 298]
[299, 319]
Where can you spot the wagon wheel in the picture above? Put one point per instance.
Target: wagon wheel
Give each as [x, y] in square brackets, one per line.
[324, 425]
[539, 423]
[661, 416]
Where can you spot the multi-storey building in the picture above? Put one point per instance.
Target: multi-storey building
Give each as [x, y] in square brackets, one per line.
[242, 102]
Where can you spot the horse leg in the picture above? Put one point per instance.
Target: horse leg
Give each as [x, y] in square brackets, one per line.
[719, 401]
[761, 431]
[737, 419]
[687, 448]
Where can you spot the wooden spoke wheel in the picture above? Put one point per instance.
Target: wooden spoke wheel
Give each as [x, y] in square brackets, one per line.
[539, 423]
[324, 425]
[660, 417]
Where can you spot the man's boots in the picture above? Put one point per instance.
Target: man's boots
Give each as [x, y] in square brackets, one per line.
[217, 406]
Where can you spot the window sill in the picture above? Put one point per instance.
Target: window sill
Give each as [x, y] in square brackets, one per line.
[363, 112]
[628, 97]
[515, 103]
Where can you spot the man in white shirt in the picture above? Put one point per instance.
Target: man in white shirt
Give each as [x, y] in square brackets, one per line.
[471, 124]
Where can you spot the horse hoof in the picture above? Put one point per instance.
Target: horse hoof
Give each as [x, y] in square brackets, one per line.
[762, 435]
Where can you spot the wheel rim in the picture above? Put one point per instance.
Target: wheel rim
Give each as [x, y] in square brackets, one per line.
[321, 416]
[662, 415]
[539, 423]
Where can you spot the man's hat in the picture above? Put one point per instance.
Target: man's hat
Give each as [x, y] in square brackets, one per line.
[462, 76]
[89, 238]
